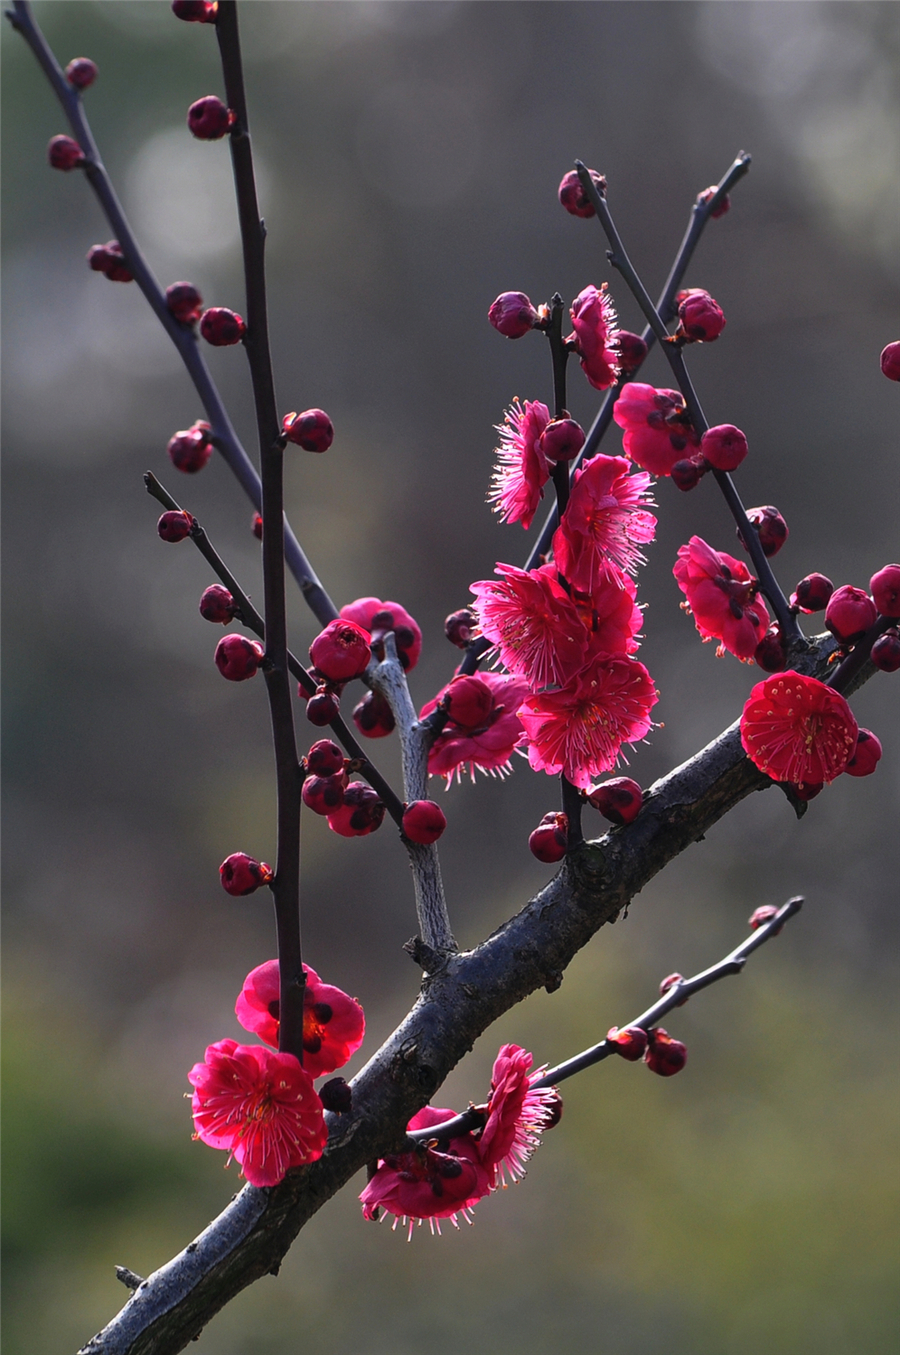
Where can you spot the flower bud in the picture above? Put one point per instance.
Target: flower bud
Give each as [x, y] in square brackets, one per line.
[460, 626]
[373, 716]
[237, 657]
[312, 430]
[669, 982]
[631, 349]
[867, 755]
[890, 361]
[512, 314]
[885, 586]
[209, 119]
[630, 1042]
[324, 794]
[618, 800]
[770, 654]
[381, 619]
[256, 526]
[336, 1095]
[707, 196]
[195, 11]
[562, 440]
[423, 821]
[549, 840]
[185, 302]
[702, 318]
[324, 759]
[81, 72]
[724, 446]
[572, 195]
[64, 153]
[341, 651]
[806, 790]
[760, 916]
[222, 327]
[217, 605]
[812, 593]
[886, 652]
[469, 702]
[771, 529]
[361, 813]
[109, 260]
[175, 525]
[242, 874]
[664, 1055]
[849, 614]
[323, 708]
[190, 449]
[688, 472]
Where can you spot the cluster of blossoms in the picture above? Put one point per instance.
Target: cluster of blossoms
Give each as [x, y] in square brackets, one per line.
[444, 1177]
[259, 1104]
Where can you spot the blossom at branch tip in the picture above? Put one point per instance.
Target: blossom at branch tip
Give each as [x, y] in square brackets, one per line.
[579, 730]
[723, 597]
[796, 729]
[594, 318]
[517, 484]
[517, 1114]
[333, 1023]
[378, 618]
[658, 432]
[439, 1179]
[261, 1106]
[489, 748]
[605, 519]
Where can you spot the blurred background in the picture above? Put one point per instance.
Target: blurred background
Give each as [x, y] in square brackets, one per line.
[408, 158]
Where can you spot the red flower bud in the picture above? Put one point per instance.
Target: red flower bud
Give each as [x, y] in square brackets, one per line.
[702, 318]
[256, 526]
[242, 874]
[460, 626]
[64, 153]
[885, 586]
[324, 759]
[812, 593]
[373, 716]
[562, 440]
[631, 349]
[323, 708]
[191, 448]
[217, 605]
[688, 472]
[664, 1055]
[724, 446]
[618, 800]
[222, 327]
[867, 755]
[185, 302]
[724, 202]
[771, 528]
[849, 614]
[195, 11]
[237, 657]
[81, 72]
[512, 314]
[886, 652]
[209, 119]
[109, 260]
[312, 430]
[630, 1042]
[341, 651]
[669, 982]
[770, 654]
[890, 361]
[175, 525]
[572, 195]
[549, 840]
[336, 1095]
[423, 821]
[361, 813]
[761, 916]
[469, 701]
[807, 790]
[325, 794]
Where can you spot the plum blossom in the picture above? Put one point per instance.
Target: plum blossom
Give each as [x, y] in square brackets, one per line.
[378, 618]
[489, 748]
[594, 317]
[261, 1106]
[517, 485]
[517, 1113]
[796, 729]
[333, 1023]
[658, 431]
[605, 519]
[534, 623]
[723, 597]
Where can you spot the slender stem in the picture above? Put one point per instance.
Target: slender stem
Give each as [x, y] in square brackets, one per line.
[183, 336]
[250, 617]
[733, 963]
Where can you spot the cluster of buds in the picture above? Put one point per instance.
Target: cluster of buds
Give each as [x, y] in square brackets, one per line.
[352, 808]
[659, 1051]
[109, 260]
[190, 449]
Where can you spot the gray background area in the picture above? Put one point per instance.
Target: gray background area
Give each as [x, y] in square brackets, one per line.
[409, 155]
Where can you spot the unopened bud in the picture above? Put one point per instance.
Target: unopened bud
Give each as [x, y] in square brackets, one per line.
[256, 526]
[664, 1055]
[64, 153]
[175, 525]
[423, 821]
[572, 194]
[886, 652]
[209, 119]
[512, 314]
[312, 430]
[361, 813]
[222, 327]
[618, 800]
[721, 207]
[341, 651]
[109, 260]
[849, 614]
[669, 982]
[324, 794]
[688, 472]
[469, 702]
[185, 302]
[630, 1042]
[217, 605]
[771, 528]
[867, 755]
[812, 594]
[460, 626]
[562, 440]
[890, 361]
[81, 72]
[324, 759]
[702, 318]
[631, 349]
[806, 790]
[238, 658]
[373, 716]
[724, 446]
[549, 840]
[242, 874]
[760, 916]
[885, 586]
[770, 654]
[190, 449]
[195, 11]
[323, 708]
[336, 1095]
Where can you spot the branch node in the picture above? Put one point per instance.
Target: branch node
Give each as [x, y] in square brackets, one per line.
[128, 1277]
